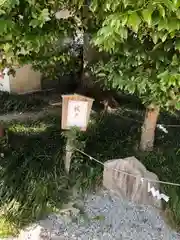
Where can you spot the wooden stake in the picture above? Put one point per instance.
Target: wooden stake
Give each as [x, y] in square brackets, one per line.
[68, 156]
[148, 128]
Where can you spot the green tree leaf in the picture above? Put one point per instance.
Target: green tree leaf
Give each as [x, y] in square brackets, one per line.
[5, 26]
[164, 37]
[175, 60]
[155, 37]
[162, 24]
[173, 24]
[134, 21]
[177, 44]
[124, 20]
[2, 12]
[178, 105]
[34, 23]
[124, 33]
[44, 16]
[163, 74]
[161, 10]
[147, 15]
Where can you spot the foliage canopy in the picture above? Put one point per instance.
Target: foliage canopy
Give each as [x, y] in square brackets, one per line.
[31, 30]
[143, 38]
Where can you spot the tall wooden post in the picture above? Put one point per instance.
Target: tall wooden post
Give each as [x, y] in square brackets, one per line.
[148, 128]
[75, 113]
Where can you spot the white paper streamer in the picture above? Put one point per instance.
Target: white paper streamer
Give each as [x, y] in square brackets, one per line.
[162, 128]
[157, 194]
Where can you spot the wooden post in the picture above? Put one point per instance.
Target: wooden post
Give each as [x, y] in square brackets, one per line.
[75, 113]
[68, 155]
[148, 128]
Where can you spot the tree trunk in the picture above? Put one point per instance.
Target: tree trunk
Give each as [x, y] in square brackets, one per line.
[148, 128]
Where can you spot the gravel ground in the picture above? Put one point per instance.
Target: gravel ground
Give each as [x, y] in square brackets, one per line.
[102, 217]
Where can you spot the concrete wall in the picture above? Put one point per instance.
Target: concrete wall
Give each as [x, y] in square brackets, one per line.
[25, 80]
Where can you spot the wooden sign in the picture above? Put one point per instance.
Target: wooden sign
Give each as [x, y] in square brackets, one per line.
[75, 111]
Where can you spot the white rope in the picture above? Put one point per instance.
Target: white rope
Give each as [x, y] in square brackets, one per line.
[120, 171]
[159, 125]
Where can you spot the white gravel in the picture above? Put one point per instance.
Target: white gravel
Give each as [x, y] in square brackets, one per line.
[102, 217]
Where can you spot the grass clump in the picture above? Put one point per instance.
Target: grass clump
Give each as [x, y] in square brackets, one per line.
[32, 177]
[20, 103]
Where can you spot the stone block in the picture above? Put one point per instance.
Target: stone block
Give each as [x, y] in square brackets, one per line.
[128, 186]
